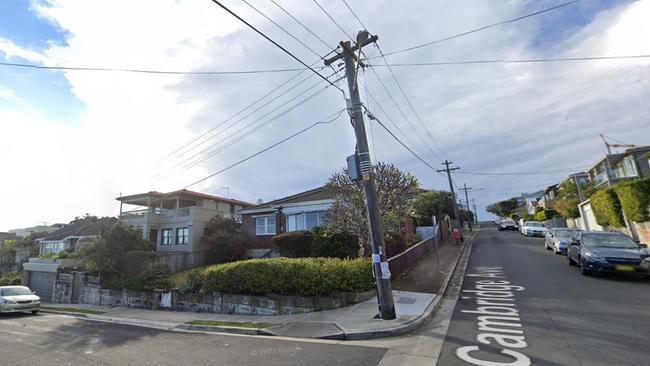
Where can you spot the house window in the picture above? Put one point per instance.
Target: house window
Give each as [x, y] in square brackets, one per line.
[265, 225]
[166, 237]
[629, 170]
[182, 236]
[232, 208]
[305, 221]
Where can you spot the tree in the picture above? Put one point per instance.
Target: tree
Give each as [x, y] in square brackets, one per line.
[119, 249]
[504, 208]
[432, 203]
[395, 192]
[226, 239]
[568, 198]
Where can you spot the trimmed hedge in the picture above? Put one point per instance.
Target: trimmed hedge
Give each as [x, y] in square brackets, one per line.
[634, 198]
[11, 278]
[295, 244]
[607, 208]
[338, 245]
[290, 276]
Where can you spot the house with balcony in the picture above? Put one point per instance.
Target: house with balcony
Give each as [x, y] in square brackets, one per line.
[73, 235]
[175, 221]
[633, 163]
[547, 201]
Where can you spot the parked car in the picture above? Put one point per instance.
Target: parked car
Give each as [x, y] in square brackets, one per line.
[558, 239]
[508, 225]
[534, 228]
[18, 298]
[597, 252]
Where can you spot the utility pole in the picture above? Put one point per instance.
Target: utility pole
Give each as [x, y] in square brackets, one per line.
[447, 169]
[380, 262]
[466, 188]
[475, 212]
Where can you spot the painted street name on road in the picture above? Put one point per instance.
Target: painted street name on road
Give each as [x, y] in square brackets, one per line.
[497, 318]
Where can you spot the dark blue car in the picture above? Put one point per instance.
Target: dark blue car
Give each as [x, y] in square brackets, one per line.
[597, 252]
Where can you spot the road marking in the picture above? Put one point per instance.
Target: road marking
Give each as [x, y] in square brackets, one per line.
[497, 318]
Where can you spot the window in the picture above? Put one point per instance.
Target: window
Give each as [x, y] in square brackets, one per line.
[265, 225]
[232, 208]
[305, 221]
[166, 237]
[182, 236]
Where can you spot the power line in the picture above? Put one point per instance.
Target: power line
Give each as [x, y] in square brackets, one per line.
[354, 14]
[282, 28]
[301, 24]
[333, 20]
[470, 62]
[275, 43]
[484, 27]
[539, 172]
[146, 71]
[268, 148]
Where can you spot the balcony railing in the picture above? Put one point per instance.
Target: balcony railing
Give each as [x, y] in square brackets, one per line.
[156, 212]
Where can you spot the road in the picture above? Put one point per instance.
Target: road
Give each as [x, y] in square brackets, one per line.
[62, 340]
[548, 313]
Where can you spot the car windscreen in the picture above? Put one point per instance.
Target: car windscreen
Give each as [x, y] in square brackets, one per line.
[564, 233]
[508, 222]
[608, 240]
[15, 291]
[534, 224]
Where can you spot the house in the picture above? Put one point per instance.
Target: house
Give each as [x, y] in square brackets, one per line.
[547, 201]
[71, 236]
[633, 163]
[175, 221]
[301, 211]
[532, 201]
[23, 233]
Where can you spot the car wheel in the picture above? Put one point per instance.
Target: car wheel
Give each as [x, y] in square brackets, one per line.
[34, 312]
[547, 247]
[584, 270]
[570, 260]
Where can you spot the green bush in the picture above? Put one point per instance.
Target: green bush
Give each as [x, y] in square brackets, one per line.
[11, 278]
[290, 276]
[635, 197]
[194, 282]
[545, 214]
[607, 208]
[156, 277]
[296, 244]
[337, 245]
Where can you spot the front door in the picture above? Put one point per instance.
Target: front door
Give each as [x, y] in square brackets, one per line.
[153, 236]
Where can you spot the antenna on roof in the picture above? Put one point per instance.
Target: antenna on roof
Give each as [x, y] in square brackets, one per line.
[609, 146]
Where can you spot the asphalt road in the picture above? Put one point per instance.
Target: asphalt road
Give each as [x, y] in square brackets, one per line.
[549, 314]
[61, 340]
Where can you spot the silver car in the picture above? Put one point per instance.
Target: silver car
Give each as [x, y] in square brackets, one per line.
[18, 298]
[558, 239]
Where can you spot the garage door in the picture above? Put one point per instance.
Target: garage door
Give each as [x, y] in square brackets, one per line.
[43, 283]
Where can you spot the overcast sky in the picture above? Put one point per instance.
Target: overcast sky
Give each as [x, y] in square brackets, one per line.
[72, 141]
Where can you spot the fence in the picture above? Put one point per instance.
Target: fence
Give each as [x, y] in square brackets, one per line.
[407, 258]
[178, 262]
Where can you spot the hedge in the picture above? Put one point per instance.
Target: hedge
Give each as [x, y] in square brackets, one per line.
[634, 198]
[295, 244]
[607, 208]
[337, 245]
[11, 278]
[545, 214]
[290, 276]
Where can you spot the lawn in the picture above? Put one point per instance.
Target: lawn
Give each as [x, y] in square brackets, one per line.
[231, 324]
[179, 277]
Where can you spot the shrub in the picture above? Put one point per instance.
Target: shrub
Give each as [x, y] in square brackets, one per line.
[607, 208]
[635, 198]
[296, 244]
[194, 282]
[545, 214]
[337, 245]
[226, 238]
[156, 277]
[137, 261]
[234, 249]
[290, 276]
[11, 278]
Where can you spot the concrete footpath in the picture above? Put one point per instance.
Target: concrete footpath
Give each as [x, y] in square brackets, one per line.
[416, 295]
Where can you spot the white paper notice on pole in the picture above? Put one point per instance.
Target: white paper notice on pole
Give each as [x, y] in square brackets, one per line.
[376, 258]
[385, 271]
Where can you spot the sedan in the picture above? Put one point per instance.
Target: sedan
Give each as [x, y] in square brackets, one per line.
[597, 252]
[558, 239]
[508, 225]
[534, 228]
[18, 298]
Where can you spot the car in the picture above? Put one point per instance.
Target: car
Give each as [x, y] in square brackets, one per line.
[600, 252]
[508, 225]
[534, 228]
[15, 299]
[558, 238]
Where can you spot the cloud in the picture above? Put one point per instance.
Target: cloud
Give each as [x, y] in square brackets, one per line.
[9, 95]
[484, 117]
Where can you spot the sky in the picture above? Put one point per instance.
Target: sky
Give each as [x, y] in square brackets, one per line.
[74, 140]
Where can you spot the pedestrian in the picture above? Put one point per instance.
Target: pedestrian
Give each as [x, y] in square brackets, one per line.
[458, 236]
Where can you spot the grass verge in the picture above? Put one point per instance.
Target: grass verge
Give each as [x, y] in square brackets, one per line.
[231, 324]
[72, 310]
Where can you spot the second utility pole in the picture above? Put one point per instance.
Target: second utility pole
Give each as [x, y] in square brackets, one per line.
[466, 188]
[447, 169]
[380, 262]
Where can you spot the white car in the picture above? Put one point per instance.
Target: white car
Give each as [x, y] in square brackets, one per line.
[18, 298]
[534, 228]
